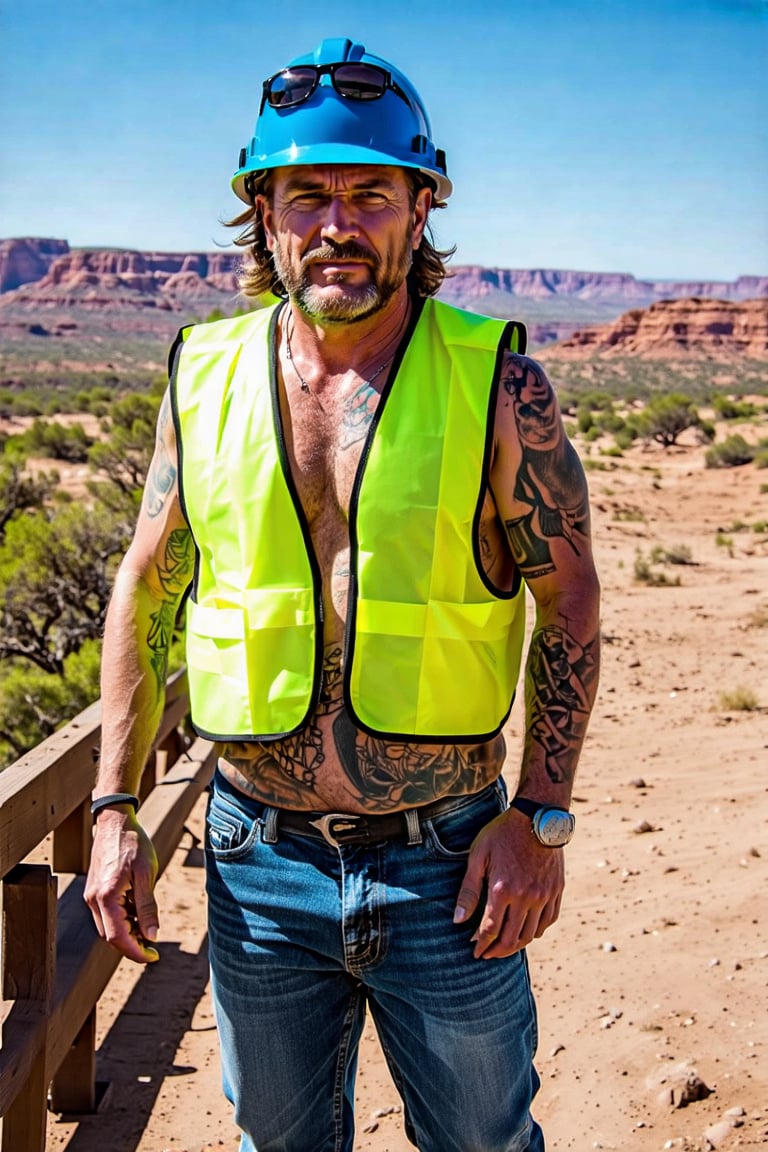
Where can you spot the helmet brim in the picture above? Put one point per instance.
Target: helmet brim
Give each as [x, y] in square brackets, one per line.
[314, 154]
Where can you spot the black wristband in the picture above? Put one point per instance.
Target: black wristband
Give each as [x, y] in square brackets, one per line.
[529, 807]
[114, 798]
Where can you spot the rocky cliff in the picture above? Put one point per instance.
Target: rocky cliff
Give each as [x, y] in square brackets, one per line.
[71, 308]
[48, 274]
[25, 261]
[41, 273]
[671, 329]
[473, 282]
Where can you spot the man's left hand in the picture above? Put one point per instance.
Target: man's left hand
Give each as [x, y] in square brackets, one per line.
[523, 881]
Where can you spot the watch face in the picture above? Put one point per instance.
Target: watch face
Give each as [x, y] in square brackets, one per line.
[554, 827]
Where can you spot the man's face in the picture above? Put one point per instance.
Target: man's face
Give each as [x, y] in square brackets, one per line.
[342, 236]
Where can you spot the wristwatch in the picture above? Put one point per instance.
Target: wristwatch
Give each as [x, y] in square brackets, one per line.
[552, 826]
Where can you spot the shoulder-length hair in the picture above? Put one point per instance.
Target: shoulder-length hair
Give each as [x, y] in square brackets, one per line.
[258, 275]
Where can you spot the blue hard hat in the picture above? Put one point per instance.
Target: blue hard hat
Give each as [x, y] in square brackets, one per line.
[329, 128]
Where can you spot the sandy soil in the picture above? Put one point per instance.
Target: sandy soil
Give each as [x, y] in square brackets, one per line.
[652, 985]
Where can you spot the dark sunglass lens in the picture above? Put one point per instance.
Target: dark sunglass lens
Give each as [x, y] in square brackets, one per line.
[291, 86]
[360, 81]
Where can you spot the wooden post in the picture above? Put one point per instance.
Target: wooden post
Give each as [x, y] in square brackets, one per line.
[29, 959]
[72, 841]
[73, 1088]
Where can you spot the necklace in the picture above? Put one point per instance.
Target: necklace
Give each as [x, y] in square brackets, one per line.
[305, 387]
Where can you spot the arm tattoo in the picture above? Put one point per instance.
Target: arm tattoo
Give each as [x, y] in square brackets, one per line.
[550, 480]
[560, 680]
[173, 576]
[162, 473]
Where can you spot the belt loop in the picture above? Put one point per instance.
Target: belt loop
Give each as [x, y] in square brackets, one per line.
[269, 827]
[414, 826]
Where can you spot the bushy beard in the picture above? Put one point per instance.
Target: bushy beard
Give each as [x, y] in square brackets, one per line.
[357, 301]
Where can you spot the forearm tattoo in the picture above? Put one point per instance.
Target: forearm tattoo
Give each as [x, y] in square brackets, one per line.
[561, 678]
[173, 576]
[550, 480]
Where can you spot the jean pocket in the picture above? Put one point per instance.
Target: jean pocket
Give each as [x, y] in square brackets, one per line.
[451, 835]
[229, 831]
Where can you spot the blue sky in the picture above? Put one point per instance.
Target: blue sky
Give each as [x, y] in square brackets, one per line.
[587, 134]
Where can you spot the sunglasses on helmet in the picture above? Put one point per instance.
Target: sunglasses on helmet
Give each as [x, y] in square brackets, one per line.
[354, 81]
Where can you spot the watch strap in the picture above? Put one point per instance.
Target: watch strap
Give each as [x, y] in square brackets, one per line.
[114, 798]
[528, 807]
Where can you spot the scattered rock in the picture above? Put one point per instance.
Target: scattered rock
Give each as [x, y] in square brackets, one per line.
[608, 947]
[717, 1134]
[681, 1085]
[643, 826]
[638, 782]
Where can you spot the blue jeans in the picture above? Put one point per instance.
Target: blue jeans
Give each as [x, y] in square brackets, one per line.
[304, 935]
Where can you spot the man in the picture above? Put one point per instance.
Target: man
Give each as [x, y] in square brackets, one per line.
[356, 482]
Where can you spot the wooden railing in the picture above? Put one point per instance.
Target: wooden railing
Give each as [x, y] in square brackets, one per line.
[54, 966]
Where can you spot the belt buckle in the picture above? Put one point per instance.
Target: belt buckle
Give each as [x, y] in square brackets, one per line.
[348, 824]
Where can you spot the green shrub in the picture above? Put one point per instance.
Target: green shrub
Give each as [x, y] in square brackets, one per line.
[584, 420]
[731, 453]
[625, 437]
[664, 418]
[739, 700]
[729, 409]
[646, 573]
[678, 554]
[57, 441]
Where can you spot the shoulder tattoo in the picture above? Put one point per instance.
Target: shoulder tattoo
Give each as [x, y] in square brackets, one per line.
[162, 474]
[550, 480]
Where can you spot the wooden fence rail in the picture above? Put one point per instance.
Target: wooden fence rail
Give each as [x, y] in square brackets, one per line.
[53, 966]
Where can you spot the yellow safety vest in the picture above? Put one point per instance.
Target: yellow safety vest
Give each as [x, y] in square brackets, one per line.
[432, 649]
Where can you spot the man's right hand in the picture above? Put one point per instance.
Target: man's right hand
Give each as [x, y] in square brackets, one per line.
[119, 885]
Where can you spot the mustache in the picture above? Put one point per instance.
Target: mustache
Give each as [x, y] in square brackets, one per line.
[327, 253]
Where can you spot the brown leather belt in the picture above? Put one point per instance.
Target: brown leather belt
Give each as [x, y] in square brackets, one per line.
[338, 828]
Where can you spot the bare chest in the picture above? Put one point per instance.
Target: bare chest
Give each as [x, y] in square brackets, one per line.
[325, 441]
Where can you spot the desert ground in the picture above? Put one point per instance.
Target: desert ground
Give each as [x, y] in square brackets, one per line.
[651, 988]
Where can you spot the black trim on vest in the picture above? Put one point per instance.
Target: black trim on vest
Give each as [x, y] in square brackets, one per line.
[239, 738]
[349, 632]
[174, 359]
[173, 352]
[417, 307]
[485, 473]
[317, 580]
